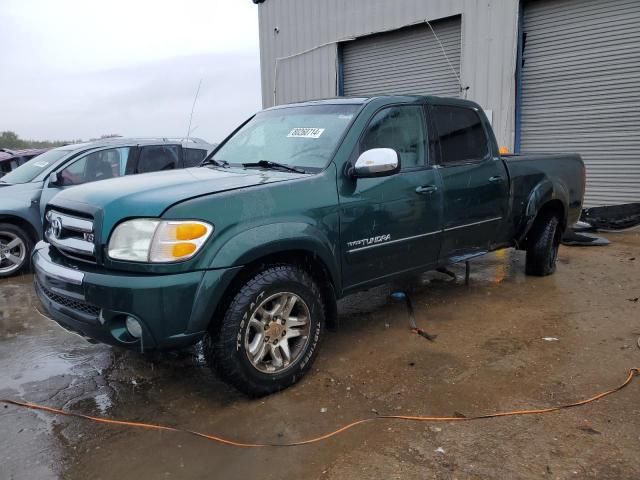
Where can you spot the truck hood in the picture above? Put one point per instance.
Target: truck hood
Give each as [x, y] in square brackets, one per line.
[150, 194]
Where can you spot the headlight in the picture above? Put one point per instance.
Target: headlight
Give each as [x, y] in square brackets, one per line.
[157, 241]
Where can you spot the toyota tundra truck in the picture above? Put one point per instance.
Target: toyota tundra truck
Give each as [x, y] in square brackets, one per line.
[300, 206]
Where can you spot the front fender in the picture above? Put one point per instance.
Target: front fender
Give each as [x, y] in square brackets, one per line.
[264, 240]
[19, 210]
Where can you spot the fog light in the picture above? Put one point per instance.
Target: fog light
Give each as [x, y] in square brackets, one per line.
[133, 327]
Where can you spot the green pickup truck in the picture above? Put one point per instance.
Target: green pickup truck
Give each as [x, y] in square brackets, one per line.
[300, 206]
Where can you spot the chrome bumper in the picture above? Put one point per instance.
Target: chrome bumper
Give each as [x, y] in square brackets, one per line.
[43, 266]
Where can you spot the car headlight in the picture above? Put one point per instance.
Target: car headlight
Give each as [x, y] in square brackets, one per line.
[158, 241]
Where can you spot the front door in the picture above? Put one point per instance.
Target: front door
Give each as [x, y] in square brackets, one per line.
[90, 167]
[391, 224]
[475, 183]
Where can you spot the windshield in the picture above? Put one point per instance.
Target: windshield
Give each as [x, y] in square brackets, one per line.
[301, 137]
[34, 167]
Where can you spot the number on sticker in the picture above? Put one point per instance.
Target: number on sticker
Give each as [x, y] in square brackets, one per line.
[302, 132]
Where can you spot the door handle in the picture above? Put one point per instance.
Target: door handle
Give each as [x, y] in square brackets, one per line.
[426, 189]
[496, 179]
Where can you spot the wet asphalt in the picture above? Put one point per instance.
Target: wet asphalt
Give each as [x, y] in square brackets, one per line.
[506, 341]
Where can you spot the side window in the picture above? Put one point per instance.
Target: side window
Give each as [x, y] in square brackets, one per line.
[95, 166]
[158, 157]
[400, 128]
[193, 156]
[461, 135]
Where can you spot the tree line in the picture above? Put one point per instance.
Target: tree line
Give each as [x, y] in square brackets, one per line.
[12, 141]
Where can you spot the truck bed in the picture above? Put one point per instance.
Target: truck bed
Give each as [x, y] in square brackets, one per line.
[562, 173]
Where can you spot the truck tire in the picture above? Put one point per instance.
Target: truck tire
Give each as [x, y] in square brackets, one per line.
[270, 332]
[15, 250]
[543, 242]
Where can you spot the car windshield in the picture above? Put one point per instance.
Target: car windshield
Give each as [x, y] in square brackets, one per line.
[34, 167]
[301, 137]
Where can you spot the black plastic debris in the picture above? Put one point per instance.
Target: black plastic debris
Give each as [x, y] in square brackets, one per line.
[573, 238]
[613, 217]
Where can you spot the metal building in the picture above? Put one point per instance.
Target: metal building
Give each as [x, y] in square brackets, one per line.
[554, 75]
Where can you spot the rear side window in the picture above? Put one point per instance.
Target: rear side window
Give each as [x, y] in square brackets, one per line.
[400, 128]
[461, 135]
[155, 158]
[193, 157]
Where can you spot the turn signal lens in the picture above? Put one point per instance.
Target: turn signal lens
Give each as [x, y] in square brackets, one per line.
[178, 240]
[183, 249]
[190, 231]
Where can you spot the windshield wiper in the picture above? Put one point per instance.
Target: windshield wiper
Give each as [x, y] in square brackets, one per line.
[273, 165]
[213, 161]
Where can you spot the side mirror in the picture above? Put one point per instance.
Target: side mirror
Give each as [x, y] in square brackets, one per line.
[54, 180]
[377, 162]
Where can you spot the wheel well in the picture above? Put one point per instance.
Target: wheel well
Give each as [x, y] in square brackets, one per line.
[23, 224]
[301, 258]
[552, 207]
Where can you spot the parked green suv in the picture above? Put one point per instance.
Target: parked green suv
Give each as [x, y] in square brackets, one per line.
[301, 205]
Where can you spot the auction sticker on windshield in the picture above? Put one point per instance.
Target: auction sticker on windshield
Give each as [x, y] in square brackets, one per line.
[306, 132]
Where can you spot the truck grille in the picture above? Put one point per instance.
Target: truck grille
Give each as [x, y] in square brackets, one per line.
[71, 303]
[72, 235]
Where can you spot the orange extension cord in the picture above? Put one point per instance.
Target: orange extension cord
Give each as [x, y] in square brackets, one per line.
[234, 443]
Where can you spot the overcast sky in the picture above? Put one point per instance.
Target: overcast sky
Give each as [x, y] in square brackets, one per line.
[83, 68]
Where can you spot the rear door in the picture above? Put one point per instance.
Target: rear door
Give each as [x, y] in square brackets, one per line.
[391, 224]
[156, 158]
[193, 157]
[474, 180]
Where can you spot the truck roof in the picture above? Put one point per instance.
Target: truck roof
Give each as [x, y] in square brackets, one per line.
[381, 99]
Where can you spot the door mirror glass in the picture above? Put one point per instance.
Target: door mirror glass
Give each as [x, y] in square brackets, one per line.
[54, 181]
[377, 162]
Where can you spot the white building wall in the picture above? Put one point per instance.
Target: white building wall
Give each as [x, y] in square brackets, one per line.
[301, 37]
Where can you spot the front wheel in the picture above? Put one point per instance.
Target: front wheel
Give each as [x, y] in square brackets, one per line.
[269, 335]
[15, 249]
[543, 244]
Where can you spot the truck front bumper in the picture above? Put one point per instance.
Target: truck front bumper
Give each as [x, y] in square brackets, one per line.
[173, 311]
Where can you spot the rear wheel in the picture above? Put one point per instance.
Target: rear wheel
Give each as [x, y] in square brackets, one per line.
[269, 335]
[543, 244]
[15, 249]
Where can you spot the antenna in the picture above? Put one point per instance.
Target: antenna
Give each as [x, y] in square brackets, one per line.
[462, 89]
[193, 108]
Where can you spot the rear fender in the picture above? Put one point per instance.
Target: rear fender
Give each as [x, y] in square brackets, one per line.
[543, 193]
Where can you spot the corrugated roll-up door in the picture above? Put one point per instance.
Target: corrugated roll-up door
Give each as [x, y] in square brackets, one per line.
[406, 61]
[581, 90]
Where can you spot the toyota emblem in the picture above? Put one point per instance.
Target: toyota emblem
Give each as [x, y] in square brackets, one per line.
[56, 227]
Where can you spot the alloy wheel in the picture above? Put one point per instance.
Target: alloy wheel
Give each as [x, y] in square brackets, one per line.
[12, 253]
[278, 332]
